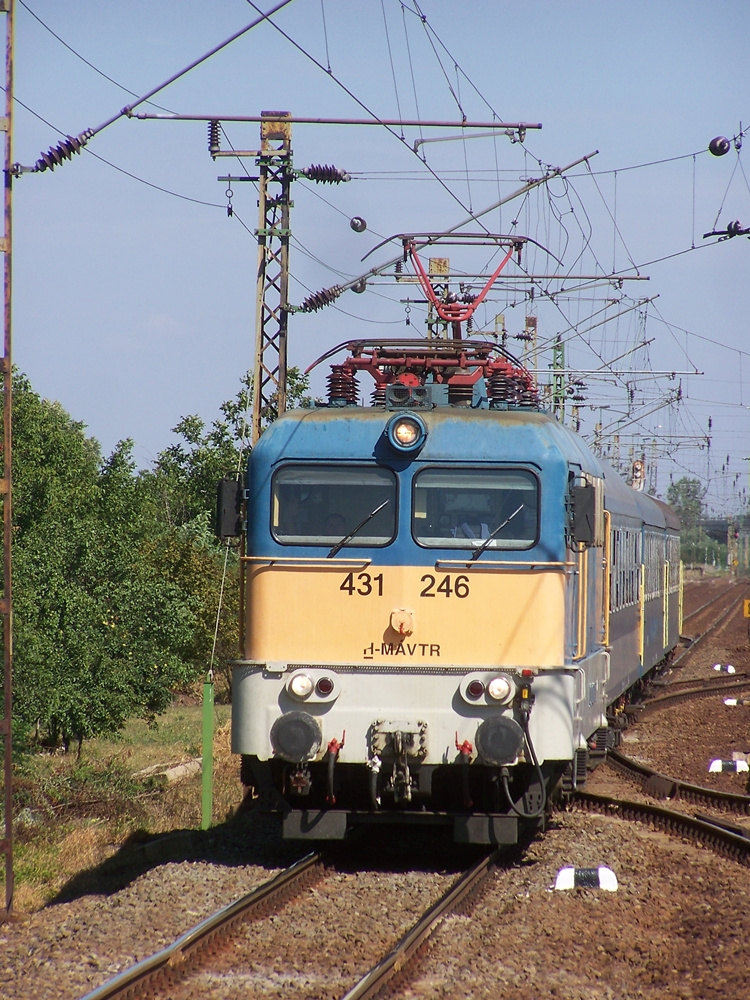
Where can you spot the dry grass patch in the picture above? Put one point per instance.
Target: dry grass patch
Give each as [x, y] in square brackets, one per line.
[74, 815]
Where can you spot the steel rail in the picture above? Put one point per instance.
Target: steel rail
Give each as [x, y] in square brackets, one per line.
[711, 628]
[691, 694]
[198, 937]
[714, 835]
[661, 786]
[718, 683]
[371, 984]
[714, 600]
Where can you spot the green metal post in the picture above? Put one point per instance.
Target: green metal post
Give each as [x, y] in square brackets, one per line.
[207, 770]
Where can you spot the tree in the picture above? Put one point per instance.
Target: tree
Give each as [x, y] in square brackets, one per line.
[186, 474]
[99, 635]
[686, 497]
[117, 574]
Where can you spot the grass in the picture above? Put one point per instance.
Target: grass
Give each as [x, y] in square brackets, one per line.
[72, 815]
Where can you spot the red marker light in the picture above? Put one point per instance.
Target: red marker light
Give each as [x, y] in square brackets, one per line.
[475, 689]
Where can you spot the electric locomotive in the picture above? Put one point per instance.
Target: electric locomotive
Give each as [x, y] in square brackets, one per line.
[446, 597]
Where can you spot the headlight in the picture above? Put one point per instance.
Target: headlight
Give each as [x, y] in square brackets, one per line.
[406, 433]
[500, 689]
[312, 685]
[487, 688]
[300, 685]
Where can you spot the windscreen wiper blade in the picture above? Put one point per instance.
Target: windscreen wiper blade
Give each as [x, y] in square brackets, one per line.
[498, 529]
[347, 538]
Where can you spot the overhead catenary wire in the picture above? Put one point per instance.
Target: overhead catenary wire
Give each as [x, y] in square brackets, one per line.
[73, 144]
[122, 170]
[390, 57]
[361, 104]
[82, 58]
[126, 90]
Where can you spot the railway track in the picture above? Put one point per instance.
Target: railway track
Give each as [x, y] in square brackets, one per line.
[736, 593]
[715, 599]
[194, 964]
[373, 982]
[660, 786]
[149, 976]
[690, 691]
[717, 836]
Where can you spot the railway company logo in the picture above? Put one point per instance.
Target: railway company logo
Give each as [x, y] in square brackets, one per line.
[425, 649]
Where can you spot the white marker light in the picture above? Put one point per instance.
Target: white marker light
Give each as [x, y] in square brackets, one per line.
[301, 686]
[499, 688]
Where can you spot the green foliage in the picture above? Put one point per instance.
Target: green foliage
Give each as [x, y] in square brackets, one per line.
[99, 635]
[117, 574]
[686, 497]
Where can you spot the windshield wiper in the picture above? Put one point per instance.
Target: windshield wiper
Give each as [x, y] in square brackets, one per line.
[498, 529]
[347, 538]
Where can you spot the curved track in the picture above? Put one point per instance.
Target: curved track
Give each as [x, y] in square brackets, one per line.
[710, 834]
[660, 786]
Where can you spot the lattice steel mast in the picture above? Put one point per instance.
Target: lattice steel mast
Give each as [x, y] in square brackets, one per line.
[272, 315]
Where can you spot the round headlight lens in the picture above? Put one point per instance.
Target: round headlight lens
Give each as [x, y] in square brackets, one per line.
[499, 688]
[301, 686]
[406, 432]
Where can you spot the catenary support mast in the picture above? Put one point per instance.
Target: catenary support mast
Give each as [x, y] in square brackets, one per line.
[272, 315]
[6, 368]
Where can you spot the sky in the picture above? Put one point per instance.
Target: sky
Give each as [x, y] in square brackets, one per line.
[134, 291]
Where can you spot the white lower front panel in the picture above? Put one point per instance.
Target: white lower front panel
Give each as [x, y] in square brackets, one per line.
[367, 700]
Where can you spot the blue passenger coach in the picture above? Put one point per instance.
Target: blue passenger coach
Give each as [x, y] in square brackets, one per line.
[446, 597]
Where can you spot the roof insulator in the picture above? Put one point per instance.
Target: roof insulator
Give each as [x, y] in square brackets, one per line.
[320, 299]
[325, 174]
[62, 151]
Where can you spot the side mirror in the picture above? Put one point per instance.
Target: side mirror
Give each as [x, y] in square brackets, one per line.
[229, 497]
[584, 514]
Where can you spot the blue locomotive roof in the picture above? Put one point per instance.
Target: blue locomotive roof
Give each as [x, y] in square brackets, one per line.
[453, 435]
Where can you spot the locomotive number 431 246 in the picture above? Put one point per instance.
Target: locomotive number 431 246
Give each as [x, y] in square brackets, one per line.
[369, 585]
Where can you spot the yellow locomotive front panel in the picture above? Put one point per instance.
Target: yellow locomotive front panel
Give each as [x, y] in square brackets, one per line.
[352, 612]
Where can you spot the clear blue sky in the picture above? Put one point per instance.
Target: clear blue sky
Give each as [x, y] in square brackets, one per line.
[133, 307]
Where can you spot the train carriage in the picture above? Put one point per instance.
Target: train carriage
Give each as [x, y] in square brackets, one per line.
[446, 594]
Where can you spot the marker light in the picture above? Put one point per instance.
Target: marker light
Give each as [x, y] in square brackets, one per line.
[500, 688]
[406, 433]
[300, 685]
[475, 689]
[324, 686]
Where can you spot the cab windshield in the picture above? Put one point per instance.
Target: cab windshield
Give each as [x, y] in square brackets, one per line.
[468, 508]
[320, 505]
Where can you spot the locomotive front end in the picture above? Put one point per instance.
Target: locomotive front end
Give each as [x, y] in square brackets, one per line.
[408, 620]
